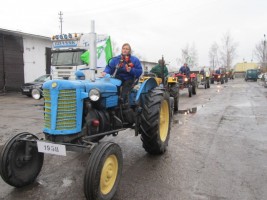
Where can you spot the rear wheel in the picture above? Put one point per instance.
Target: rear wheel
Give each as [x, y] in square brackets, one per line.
[103, 172]
[174, 92]
[155, 121]
[17, 166]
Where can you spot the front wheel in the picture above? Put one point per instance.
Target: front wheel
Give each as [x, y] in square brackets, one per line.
[208, 83]
[212, 81]
[155, 121]
[194, 89]
[20, 161]
[103, 172]
[190, 91]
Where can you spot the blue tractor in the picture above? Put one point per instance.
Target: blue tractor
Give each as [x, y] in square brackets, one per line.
[77, 115]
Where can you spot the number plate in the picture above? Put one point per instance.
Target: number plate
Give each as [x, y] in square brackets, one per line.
[26, 90]
[56, 149]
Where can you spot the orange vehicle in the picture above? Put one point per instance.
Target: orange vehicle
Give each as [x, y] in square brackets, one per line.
[185, 82]
[219, 76]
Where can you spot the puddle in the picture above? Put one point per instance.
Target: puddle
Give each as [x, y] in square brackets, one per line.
[188, 111]
[176, 121]
[192, 110]
[66, 182]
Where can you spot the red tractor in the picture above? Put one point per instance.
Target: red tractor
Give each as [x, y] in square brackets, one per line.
[185, 82]
[219, 76]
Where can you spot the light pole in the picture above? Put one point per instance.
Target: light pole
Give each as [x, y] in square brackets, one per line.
[264, 53]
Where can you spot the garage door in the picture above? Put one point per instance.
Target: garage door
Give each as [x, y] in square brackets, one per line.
[1, 63]
[11, 62]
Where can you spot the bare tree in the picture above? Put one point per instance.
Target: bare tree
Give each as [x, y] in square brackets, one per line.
[260, 52]
[189, 55]
[228, 50]
[213, 55]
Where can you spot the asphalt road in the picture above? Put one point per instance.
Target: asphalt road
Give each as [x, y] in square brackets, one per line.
[217, 150]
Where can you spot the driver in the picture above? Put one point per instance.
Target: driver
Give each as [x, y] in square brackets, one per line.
[185, 70]
[129, 68]
[158, 69]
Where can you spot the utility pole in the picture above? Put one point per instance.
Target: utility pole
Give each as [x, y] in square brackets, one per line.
[264, 53]
[60, 20]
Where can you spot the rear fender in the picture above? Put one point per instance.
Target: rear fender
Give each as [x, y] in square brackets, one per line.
[145, 87]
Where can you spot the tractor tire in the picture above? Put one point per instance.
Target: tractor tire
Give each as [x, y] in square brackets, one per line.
[174, 92]
[208, 84]
[14, 168]
[194, 89]
[190, 91]
[212, 81]
[103, 171]
[155, 121]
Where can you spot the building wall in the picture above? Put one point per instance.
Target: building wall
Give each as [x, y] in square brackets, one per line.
[148, 65]
[242, 67]
[34, 57]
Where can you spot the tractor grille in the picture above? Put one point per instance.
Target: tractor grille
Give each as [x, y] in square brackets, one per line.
[47, 109]
[66, 110]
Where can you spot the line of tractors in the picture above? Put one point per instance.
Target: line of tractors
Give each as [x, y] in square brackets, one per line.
[204, 78]
[79, 113]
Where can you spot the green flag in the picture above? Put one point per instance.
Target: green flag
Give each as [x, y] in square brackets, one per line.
[108, 50]
[104, 53]
[85, 57]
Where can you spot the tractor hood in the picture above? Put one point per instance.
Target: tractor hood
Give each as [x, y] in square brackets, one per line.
[104, 85]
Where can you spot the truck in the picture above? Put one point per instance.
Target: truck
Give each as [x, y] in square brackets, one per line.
[77, 115]
[70, 52]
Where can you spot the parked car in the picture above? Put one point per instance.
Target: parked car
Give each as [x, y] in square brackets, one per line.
[34, 89]
[251, 74]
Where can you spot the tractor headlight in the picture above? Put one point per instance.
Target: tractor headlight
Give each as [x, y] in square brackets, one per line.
[94, 94]
[185, 79]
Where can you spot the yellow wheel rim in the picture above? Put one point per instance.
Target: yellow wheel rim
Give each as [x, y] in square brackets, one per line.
[164, 121]
[109, 174]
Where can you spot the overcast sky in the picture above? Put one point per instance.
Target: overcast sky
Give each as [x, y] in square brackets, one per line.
[152, 27]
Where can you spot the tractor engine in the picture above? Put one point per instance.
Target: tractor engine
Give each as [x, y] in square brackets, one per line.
[73, 109]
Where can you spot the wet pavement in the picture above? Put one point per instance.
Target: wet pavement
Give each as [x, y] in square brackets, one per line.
[217, 150]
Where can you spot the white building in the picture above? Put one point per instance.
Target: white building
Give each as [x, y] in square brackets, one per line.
[23, 58]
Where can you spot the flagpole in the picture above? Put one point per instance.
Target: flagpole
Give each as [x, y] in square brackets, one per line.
[93, 58]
